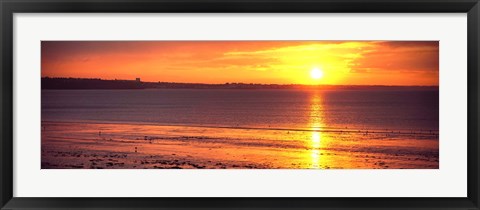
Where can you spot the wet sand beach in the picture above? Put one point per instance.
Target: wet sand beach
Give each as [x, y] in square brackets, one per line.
[99, 145]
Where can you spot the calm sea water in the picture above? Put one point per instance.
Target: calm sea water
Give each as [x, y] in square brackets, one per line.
[371, 109]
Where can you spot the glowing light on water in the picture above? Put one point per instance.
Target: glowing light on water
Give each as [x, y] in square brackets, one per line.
[315, 124]
[316, 139]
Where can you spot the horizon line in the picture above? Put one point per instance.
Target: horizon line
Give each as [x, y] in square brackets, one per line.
[236, 83]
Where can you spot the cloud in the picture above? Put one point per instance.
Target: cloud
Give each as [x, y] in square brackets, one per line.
[400, 56]
[269, 61]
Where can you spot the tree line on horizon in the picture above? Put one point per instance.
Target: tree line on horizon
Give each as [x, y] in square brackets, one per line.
[97, 83]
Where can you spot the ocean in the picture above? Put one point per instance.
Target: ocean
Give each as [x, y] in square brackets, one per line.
[240, 129]
[415, 110]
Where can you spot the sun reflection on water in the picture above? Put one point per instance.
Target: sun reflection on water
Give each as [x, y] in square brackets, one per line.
[315, 154]
[317, 142]
[315, 125]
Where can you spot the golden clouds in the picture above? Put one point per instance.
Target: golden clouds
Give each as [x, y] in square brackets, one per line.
[281, 62]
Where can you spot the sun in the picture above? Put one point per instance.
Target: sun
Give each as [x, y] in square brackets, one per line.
[316, 73]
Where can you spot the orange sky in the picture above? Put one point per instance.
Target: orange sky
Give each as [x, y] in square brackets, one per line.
[279, 62]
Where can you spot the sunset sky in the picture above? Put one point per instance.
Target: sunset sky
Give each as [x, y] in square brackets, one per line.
[272, 62]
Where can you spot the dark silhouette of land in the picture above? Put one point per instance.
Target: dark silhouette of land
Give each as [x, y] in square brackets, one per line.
[95, 83]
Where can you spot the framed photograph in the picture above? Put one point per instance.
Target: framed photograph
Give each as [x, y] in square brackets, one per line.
[239, 104]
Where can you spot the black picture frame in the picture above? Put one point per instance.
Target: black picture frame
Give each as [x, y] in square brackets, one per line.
[9, 7]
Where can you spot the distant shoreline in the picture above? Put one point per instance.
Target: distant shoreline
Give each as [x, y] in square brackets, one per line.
[95, 83]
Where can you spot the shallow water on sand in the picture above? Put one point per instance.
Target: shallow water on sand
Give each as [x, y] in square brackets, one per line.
[106, 145]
